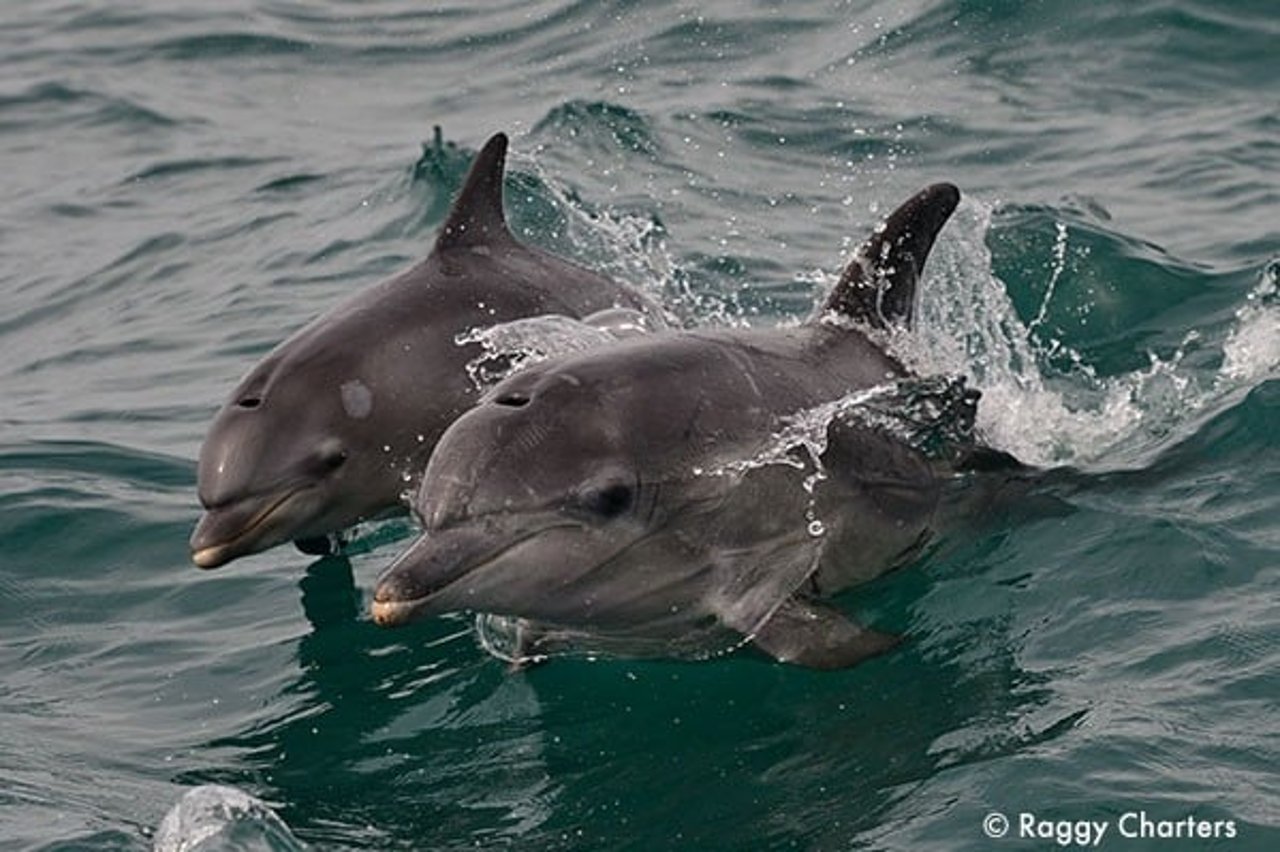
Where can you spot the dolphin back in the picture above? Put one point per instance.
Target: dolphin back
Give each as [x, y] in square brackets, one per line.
[878, 287]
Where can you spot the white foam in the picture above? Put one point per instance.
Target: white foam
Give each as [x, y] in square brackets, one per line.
[509, 346]
[967, 325]
[213, 816]
[1252, 348]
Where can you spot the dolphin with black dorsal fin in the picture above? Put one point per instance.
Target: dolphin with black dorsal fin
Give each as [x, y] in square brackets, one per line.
[618, 497]
[335, 424]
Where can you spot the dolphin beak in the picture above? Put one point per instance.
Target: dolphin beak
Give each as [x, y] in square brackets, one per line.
[228, 532]
[406, 589]
[212, 556]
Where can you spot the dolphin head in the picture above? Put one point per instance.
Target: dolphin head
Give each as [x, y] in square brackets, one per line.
[581, 493]
[294, 453]
[331, 427]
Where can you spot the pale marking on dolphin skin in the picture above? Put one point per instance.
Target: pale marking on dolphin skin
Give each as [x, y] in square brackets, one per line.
[357, 399]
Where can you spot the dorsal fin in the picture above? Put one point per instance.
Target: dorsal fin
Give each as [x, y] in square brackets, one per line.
[878, 287]
[476, 217]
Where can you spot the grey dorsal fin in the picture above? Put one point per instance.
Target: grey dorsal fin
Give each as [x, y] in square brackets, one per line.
[878, 287]
[476, 217]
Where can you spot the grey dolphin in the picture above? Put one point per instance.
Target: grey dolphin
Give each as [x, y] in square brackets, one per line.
[619, 494]
[334, 425]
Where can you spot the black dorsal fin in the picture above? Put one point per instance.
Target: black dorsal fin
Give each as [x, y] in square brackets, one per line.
[878, 287]
[476, 217]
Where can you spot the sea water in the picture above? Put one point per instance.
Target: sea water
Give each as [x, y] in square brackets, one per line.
[185, 184]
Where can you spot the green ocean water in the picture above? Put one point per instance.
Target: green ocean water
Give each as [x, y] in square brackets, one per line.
[184, 184]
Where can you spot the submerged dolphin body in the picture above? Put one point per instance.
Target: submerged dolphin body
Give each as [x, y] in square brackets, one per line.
[335, 424]
[626, 496]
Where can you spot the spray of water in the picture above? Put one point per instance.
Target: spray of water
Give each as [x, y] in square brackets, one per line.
[966, 325]
[1252, 348]
[631, 247]
[507, 347]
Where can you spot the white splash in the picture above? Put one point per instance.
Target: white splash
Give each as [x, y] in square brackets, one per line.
[967, 325]
[933, 414]
[214, 816]
[1252, 348]
[802, 440]
[509, 346]
[631, 247]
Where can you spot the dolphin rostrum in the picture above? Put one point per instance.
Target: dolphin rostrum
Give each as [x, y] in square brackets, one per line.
[633, 497]
[337, 422]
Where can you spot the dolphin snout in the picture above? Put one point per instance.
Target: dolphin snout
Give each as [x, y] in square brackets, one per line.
[218, 538]
[230, 531]
[407, 587]
[400, 591]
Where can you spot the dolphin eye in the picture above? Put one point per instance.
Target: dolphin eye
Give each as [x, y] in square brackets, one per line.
[249, 402]
[334, 459]
[608, 502]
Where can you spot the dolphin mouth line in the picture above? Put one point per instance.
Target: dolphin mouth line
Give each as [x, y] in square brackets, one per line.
[215, 554]
[391, 613]
[395, 613]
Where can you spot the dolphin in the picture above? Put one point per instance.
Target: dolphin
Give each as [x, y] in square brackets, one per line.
[335, 424]
[626, 498]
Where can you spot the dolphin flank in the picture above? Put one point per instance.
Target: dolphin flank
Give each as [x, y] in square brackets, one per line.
[610, 497]
[337, 422]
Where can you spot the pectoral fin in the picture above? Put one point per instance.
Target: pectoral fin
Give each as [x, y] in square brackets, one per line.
[816, 636]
